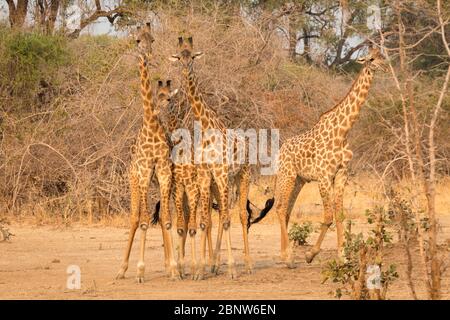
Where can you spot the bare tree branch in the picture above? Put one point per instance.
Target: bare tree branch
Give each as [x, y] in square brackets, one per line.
[111, 15]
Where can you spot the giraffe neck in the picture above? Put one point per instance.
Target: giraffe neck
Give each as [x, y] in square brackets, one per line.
[348, 109]
[202, 113]
[146, 90]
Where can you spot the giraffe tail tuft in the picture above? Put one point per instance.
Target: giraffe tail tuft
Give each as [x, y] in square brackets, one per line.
[215, 206]
[262, 214]
[155, 218]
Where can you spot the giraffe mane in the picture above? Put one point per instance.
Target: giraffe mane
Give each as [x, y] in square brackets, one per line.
[348, 91]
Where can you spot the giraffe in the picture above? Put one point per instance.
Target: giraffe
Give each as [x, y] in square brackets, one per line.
[184, 184]
[322, 154]
[151, 156]
[215, 177]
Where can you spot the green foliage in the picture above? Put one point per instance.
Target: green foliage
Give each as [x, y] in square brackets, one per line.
[300, 233]
[28, 60]
[346, 272]
[96, 55]
[372, 215]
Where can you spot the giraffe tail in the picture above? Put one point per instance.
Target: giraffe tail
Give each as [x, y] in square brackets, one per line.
[215, 206]
[155, 218]
[262, 214]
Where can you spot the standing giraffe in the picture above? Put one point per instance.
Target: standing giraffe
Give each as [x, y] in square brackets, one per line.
[322, 154]
[184, 183]
[151, 155]
[215, 176]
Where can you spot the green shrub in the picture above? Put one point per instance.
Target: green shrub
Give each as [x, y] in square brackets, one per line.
[300, 233]
[362, 255]
[29, 61]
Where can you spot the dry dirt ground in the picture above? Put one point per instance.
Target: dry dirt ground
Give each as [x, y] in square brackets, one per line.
[33, 264]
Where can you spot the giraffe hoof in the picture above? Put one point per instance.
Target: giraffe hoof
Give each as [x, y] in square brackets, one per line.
[232, 273]
[198, 276]
[215, 269]
[309, 256]
[176, 276]
[291, 265]
[140, 279]
[181, 269]
[120, 275]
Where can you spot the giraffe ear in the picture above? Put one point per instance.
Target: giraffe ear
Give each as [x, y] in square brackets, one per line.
[174, 58]
[361, 60]
[197, 55]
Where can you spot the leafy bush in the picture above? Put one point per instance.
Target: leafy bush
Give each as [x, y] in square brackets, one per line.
[30, 61]
[300, 233]
[359, 274]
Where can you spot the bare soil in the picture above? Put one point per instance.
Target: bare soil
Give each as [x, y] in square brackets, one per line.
[33, 265]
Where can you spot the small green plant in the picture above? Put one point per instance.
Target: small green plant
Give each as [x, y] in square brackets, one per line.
[300, 233]
[359, 274]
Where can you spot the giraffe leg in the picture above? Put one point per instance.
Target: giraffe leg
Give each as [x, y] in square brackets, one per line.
[164, 175]
[204, 182]
[192, 198]
[283, 189]
[186, 224]
[224, 224]
[166, 254]
[244, 185]
[326, 190]
[210, 243]
[215, 260]
[292, 198]
[339, 184]
[178, 191]
[143, 222]
[134, 223]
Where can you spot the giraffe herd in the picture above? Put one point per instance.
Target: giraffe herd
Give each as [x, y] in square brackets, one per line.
[320, 154]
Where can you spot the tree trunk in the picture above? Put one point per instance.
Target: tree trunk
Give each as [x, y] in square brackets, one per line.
[17, 13]
[292, 39]
[51, 19]
[306, 46]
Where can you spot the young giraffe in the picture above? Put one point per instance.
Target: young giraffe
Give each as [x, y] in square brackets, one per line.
[322, 154]
[184, 183]
[215, 177]
[151, 155]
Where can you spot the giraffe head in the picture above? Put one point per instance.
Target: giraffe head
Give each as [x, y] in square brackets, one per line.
[144, 39]
[164, 94]
[374, 60]
[185, 54]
